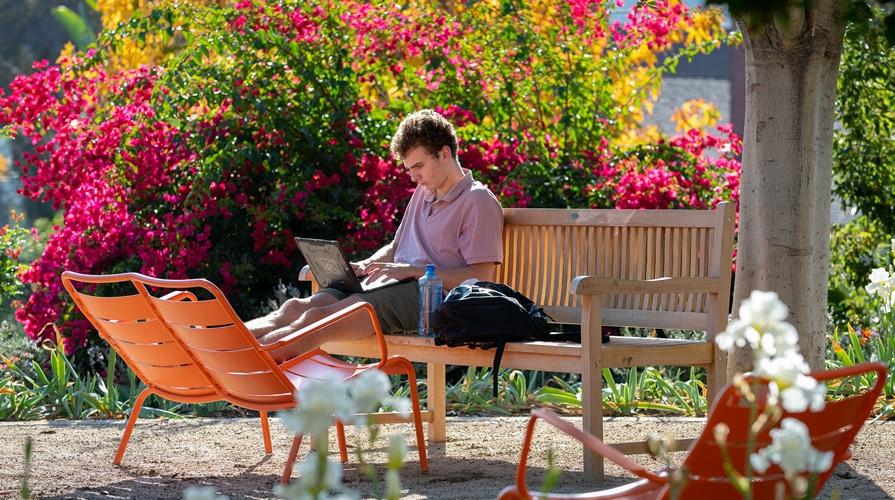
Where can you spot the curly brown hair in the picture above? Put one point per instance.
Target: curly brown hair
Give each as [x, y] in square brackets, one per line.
[424, 128]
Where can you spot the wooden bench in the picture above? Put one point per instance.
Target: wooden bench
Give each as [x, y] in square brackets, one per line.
[668, 269]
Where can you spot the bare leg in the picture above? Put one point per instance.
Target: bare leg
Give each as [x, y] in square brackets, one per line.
[354, 327]
[288, 313]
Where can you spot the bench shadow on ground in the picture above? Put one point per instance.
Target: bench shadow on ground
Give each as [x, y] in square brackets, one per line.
[846, 483]
[448, 478]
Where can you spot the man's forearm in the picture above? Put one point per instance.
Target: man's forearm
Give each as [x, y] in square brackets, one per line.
[384, 254]
[453, 277]
[449, 277]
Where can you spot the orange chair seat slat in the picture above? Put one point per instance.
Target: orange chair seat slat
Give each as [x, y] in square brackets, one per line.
[120, 308]
[245, 360]
[264, 383]
[144, 332]
[321, 367]
[188, 312]
[262, 401]
[224, 338]
[184, 395]
[163, 354]
[174, 378]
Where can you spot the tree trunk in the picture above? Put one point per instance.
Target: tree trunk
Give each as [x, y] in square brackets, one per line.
[785, 188]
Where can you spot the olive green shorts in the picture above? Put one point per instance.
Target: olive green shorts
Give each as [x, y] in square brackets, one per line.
[396, 305]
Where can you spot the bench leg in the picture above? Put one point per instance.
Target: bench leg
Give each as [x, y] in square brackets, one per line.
[593, 421]
[592, 381]
[716, 376]
[436, 401]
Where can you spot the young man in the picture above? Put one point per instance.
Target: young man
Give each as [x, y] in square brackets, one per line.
[452, 221]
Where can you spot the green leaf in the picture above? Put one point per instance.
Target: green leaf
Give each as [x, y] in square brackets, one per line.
[75, 25]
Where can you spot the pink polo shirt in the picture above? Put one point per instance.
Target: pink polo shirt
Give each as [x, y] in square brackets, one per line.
[462, 228]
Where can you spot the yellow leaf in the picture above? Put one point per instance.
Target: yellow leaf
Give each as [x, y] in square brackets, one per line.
[695, 114]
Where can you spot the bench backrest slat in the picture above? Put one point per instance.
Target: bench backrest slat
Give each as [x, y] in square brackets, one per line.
[610, 217]
[545, 248]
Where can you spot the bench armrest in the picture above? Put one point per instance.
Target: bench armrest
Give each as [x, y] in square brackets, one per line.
[590, 285]
[305, 274]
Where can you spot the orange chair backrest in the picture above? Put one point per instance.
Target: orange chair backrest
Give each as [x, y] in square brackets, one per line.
[139, 337]
[220, 343]
[832, 429]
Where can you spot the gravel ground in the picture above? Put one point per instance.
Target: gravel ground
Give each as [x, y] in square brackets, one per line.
[74, 459]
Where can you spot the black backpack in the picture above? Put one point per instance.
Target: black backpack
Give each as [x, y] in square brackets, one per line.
[487, 315]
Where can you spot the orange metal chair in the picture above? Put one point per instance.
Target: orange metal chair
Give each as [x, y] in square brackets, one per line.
[190, 350]
[833, 429]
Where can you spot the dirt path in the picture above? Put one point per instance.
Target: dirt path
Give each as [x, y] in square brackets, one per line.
[74, 459]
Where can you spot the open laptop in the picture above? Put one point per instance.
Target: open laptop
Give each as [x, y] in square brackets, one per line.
[331, 268]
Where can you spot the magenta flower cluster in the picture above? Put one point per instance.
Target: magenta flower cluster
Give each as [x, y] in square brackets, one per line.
[73, 166]
[148, 177]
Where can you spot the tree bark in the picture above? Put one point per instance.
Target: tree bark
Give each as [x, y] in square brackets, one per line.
[785, 187]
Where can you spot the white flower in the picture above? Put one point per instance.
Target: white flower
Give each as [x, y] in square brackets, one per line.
[400, 405]
[202, 493]
[760, 326]
[779, 339]
[397, 451]
[311, 479]
[300, 490]
[782, 369]
[760, 460]
[331, 478]
[795, 390]
[292, 491]
[392, 484]
[805, 394]
[879, 279]
[738, 333]
[319, 401]
[763, 309]
[369, 389]
[883, 285]
[791, 449]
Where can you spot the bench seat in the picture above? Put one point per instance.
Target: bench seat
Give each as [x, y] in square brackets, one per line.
[562, 357]
[659, 269]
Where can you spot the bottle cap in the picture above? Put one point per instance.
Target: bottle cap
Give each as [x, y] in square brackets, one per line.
[430, 268]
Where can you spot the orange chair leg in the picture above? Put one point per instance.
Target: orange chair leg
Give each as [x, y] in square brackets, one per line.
[343, 449]
[135, 413]
[406, 367]
[265, 430]
[293, 453]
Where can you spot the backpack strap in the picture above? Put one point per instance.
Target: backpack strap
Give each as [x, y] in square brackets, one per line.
[496, 367]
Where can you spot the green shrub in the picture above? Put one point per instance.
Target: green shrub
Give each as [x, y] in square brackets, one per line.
[272, 120]
[864, 148]
[863, 169]
[856, 249]
[13, 240]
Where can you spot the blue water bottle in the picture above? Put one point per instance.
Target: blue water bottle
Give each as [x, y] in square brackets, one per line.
[430, 299]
